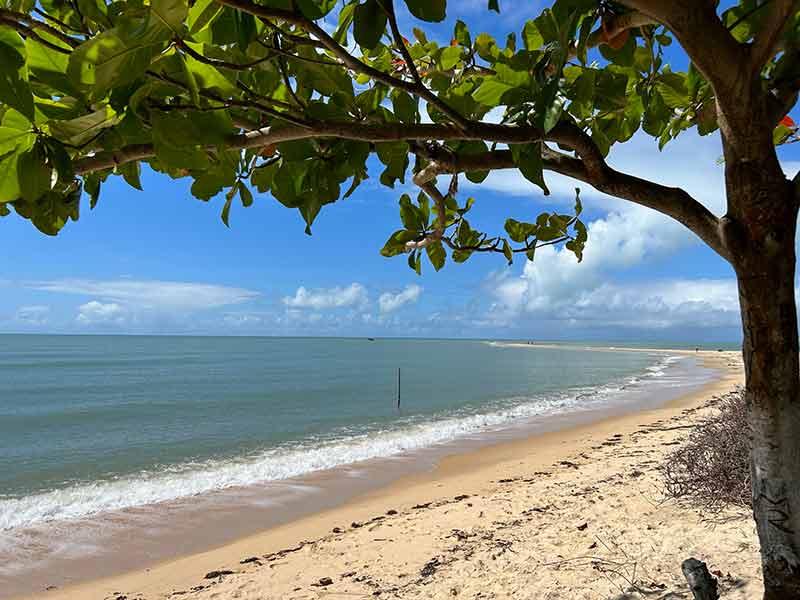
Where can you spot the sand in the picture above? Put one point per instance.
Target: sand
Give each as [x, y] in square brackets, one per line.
[577, 513]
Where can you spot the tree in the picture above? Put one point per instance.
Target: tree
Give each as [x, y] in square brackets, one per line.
[240, 94]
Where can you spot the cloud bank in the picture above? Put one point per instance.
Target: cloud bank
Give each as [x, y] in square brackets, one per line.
[389, 302]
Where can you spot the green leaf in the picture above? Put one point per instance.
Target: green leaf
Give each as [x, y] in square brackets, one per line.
[436, 254]
[202, 14]
[316, 9]
[226, 209]
[424, 206]
[115, 57]
[405, 107]
[549, 107]
[664, 39]
[206, 77]
[486, 47]
[94, 10]
[170, 14]
[49, 65]
[507, 252]
[327, 80]
[309, 209]
[33, 174]
[211, 182]
[396, 244]
[14, 89]
[58, 158]
[345, 20]
[461, 34]
[518, 231]
[427, 10]
[191, 80]
[245, 195]
[532, 38]
[369, 23]
[191, 129]
[9, 179]
[491, 92]
[131, 173]
[77, 131]
[415, 261]
[179, 138]
[672, 88]
[12, 138]
[461, 256]
[92, 184]
[477, 176]
[528, 158]
[450, 57]
[411, 216]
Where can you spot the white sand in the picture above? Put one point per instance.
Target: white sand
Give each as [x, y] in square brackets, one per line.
[572, 514]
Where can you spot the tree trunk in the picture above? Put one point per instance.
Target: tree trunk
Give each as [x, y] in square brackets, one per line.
[763, 255]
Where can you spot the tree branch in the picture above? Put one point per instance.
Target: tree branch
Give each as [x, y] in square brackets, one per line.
[590, 168]
[390, 132]
[388, 7]
[245, 104]
[710, 46]
[15, 18]
[673, 202]
[28, 32]
[215, 62]
[614, 26]
[350, 61]
[765, 45]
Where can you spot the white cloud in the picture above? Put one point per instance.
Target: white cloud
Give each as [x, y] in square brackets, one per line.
[35, 315]
[616, 242]
[151, 294]
[648, 305]
[557, 287]
[96, 313]
[354, 294]
[701, 303]
[389, 302]
[242, 319]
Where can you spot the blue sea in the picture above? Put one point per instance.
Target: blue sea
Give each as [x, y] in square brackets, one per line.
[90, 425]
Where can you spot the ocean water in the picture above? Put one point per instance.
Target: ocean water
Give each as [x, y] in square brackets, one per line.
[92, 424]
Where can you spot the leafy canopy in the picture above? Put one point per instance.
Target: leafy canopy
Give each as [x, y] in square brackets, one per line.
[241, 95]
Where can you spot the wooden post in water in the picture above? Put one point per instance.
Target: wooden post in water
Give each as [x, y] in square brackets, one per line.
[398, 388]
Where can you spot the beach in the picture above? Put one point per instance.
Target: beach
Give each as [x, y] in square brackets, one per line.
[578, 512]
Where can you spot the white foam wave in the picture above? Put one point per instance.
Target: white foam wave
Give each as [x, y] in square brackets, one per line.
[152, 487]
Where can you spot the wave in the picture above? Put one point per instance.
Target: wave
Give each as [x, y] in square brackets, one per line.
[276, 464]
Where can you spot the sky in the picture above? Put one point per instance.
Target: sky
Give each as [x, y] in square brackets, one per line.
[162, 262]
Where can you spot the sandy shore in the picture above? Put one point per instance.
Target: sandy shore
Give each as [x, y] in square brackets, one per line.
[576, 513]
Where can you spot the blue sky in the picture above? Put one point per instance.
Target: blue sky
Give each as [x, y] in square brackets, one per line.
[160, 261]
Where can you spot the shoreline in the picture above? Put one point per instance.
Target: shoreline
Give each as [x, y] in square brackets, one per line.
[465, 473]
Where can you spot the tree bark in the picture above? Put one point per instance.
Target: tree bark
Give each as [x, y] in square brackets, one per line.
[760, 231]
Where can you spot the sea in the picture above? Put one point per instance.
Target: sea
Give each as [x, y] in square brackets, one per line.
[100, 429]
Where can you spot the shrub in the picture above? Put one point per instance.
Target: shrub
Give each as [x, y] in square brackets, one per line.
[712, 466]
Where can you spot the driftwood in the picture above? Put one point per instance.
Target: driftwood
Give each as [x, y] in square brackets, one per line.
[702, 584]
